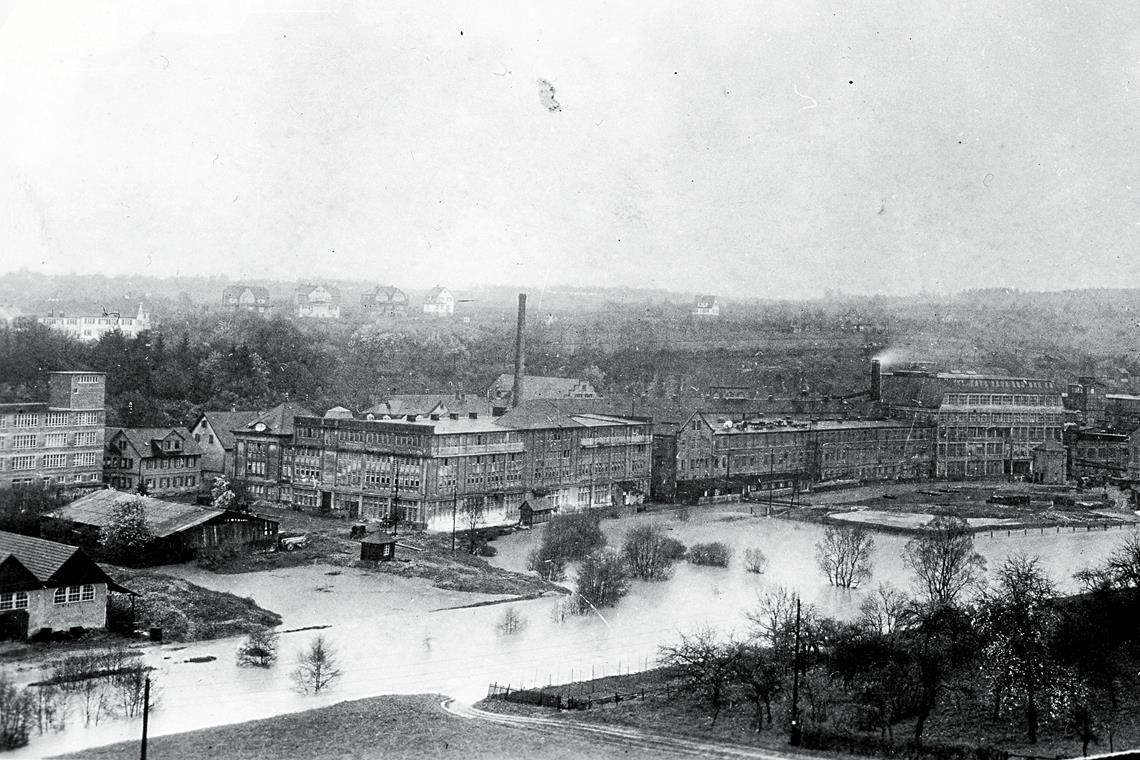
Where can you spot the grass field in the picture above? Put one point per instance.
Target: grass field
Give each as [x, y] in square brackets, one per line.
[392, 728]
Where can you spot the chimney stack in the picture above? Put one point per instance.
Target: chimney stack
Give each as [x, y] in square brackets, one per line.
[876, 380]
[520, 353]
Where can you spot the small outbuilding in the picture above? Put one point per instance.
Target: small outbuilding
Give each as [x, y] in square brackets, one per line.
[180, 530]
[378, 548]
[536, 510]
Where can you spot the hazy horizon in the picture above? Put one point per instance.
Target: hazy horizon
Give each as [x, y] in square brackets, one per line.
[752, 151]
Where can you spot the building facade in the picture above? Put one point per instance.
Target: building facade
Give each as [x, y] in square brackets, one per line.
[261, 452]
[705, 306]
[1087, 398]
[1098, 454]
[988, 425]
[251, 298]
[385, 301]
[58, 443]
[540, 387]
[1122, 412]
[163, 461]
[91, 321]
[429, 471]
[316, 302]
[718, 456]
[213, 432]
[439, 302]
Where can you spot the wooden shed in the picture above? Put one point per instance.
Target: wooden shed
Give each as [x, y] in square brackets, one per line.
[180, 530]
[536, 510]
[378, 548]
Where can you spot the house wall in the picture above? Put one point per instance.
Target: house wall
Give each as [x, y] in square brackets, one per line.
[214, 455]
[259, 463]
[45, 613]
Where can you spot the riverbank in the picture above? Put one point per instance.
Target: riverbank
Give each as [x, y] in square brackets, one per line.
[394, 728]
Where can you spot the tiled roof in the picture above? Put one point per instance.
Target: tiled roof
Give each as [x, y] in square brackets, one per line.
[42, 558]
[387, 294]
[164, 518]
[435, 293]
[143, 440]
[224, 423]
[538, 386]
[401, 405]
[278, 420]
[560, 413]
[127, 308]
[235, 291]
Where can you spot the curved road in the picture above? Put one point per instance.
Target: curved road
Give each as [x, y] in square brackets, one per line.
[617, 737]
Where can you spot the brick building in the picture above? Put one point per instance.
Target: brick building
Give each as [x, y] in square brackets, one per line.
[58, 443]
[1087, 398]
[166, 460]
[1122, 412]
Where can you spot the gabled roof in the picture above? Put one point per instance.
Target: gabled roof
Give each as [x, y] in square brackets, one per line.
[539, 414]
[436, 292]
[305, 291]
[42, 558]
[401, 405]
[164, 518]
[127, 308]
[144, 441]
[224, 423]
[385, 294]
[235, 291]
[539, 386]
[278, 420]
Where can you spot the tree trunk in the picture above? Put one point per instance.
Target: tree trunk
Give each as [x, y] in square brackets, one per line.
[1031, 717]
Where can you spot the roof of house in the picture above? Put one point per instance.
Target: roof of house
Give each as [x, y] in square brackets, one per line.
[540, 386]
[379, 538]
[401, 405]
[233, 291]
[144, 441]
[59, 307]
[537, 414]
[305, 291]
[278, 420]
[164, 518]
[386, 293]
[436, 292]
[45, 559]
[16, 407]
[224, 423]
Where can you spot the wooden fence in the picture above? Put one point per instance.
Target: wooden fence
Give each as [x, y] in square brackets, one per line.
[555, 699]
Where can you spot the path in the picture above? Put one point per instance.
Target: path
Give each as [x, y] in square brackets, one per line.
[618, 737]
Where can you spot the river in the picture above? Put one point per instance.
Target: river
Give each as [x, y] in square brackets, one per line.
[393, 635]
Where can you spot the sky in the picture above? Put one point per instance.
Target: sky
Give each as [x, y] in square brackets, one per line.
[768, 148]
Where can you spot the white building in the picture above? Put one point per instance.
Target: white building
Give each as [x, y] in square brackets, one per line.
[706, 306]
[439, 302]
[316, 302]
[90, 321]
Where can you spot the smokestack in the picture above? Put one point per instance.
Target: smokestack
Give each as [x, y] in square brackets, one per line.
[520, 353]
[876, 380]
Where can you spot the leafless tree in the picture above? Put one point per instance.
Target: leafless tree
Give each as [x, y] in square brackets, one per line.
[706, 663]
[755, 561]
[15, 715]
[511, 622]
[882, 609]
[943, 560]
[317, 666]
[473, 514]
[647, 554]
[259, 648]
[844, 556]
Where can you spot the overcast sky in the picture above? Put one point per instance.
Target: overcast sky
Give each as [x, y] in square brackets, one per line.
[767, 148]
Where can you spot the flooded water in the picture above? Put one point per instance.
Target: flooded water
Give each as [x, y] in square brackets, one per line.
[393, 636]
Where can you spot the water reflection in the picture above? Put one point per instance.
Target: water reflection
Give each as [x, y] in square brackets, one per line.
[393, 638]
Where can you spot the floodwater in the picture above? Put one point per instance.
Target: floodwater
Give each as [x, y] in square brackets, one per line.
[394, 636]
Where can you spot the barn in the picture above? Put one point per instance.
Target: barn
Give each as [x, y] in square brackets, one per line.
[180, 530]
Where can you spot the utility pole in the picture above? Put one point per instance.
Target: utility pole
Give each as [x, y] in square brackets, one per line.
[794, 739]
[146, 716]
[395, 497]
[454, 509]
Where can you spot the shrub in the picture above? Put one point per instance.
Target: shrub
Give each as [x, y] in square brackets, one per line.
[755, 560]
[259, 648]
[649, 554]
[714, 554]
[511, 622]
[573, 536]
[674, 549]
[15, 715]
[214, 557]
[486, 550]
[602, 581]
[549, 567]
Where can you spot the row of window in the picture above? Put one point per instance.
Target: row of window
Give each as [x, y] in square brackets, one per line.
[72, 594]
[52, 419]
[48, 461]
[51, 440]
[14, 601]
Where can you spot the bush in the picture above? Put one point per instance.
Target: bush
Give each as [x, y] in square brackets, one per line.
[674, 549]
[15, 715]
[259, 648]
[213, 557]
[548, 566]
[602, 581]
[850, 743]
[573, 536]
[486, 550]
[649, 554]
[755, 561]
[714, 554]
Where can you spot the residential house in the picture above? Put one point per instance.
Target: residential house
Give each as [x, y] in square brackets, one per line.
[439, 302]
[705, 306]
[58, 443]
[386, 301]
[88, 321]
[260, 452]
[213, 432]
[180, 530]
[399, 406]
[538, 387]
[251, 298]
[167, 461]
[316, 302]
[48, 587]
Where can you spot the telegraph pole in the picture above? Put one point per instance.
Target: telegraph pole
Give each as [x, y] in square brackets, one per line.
[146, 716]
[395, 497]
[454, 509]
[794, 739]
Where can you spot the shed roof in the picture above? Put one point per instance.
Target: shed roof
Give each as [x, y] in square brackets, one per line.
[164, 518]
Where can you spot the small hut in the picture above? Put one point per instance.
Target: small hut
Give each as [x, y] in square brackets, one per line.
[536, 510]
[378, 548]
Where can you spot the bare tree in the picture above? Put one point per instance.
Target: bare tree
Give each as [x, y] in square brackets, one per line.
[511, 622]
[774, 615]
[844, 556]
[473, 514]
[317, 666]
[706, 663]
[755, 561]
[259, 648]
[943, 560]
[761, 672]
[1120, 570]
[647, 553]
[15, 715]
[882, 610]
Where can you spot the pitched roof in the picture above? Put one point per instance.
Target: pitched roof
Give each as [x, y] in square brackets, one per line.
[385, 294]
[235, 291]
[305, 291]
[278, 420]
[540, 386]
[435, 293]
[401, 405]
[538, 414]
[127, 308]
[42, 558]
[143, 440]
[224, 423]
[164, 518]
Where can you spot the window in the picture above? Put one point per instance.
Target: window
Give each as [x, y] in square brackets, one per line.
[24, 441]
[85, 459]
[55, 440]
[14, 601]
[57, 419]
[24, 463]
[26, 421]
[89, 418]
[53, 461]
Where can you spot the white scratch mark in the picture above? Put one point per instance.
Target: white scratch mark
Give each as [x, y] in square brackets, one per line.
[814, 102]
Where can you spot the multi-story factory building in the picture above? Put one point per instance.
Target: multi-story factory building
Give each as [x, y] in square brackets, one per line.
[721, 457]
[425, 471]
[988, 425]
[58, 443]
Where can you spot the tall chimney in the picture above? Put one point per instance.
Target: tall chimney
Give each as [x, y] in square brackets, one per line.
[876, 380]
[520, 353]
